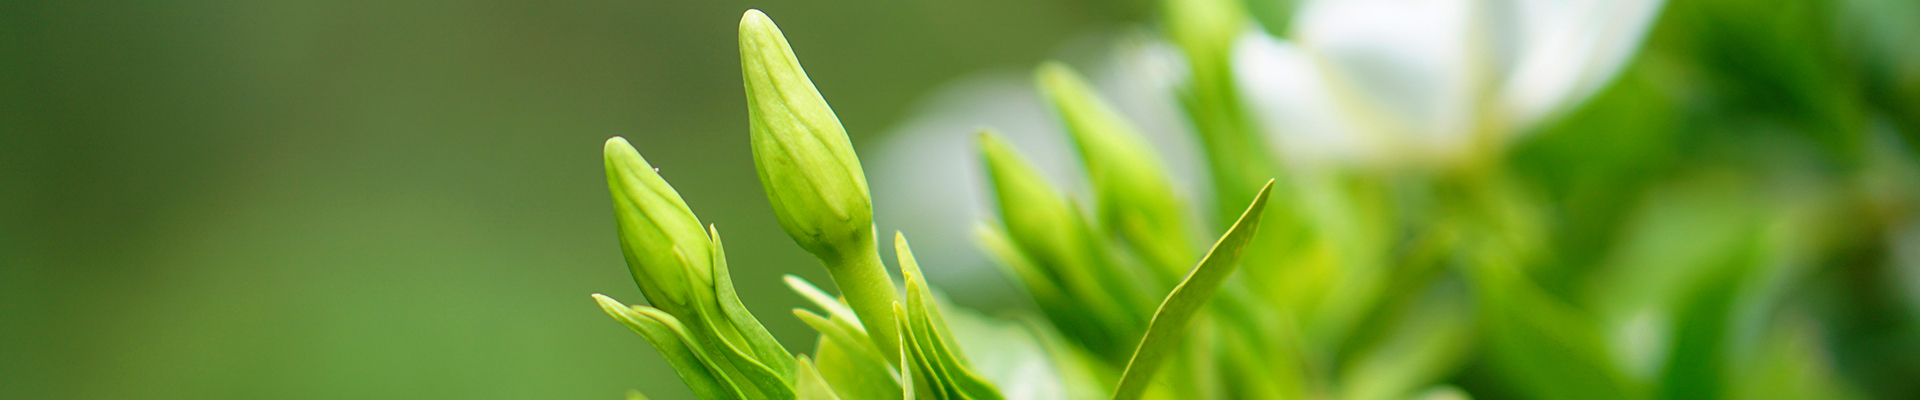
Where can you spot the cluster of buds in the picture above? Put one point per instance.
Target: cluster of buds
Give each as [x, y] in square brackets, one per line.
[895, 349]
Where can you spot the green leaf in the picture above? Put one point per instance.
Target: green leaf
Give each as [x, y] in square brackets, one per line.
[1163, 334]
[635, 395]
[1542, 346]
[854, 366]
[765, 348]
[1425, 342]
[932, 333]
[808, 384]
[833, 306]
[1053, 300]
[670, 337]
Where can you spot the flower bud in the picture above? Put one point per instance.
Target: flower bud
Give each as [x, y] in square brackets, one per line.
[668, 252]
[806, 163]
[812, 176]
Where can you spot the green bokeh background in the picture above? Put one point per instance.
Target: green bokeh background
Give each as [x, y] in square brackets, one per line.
[403, 199]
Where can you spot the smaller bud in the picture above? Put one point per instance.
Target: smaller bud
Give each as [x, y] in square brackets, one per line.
[666, 249]
[806, 163]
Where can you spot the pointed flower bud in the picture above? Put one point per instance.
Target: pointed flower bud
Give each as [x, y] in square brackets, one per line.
[1136, 197]
[812, 176]
[668, 252]
[806, 163]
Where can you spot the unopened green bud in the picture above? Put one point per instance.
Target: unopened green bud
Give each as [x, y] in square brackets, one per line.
[1135, 195]
[806, 163]
[668, 252]
[812, 176]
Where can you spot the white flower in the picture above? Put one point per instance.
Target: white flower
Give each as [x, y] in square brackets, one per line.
[1424, 81]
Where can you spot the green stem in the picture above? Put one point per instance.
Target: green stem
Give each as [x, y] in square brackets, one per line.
[863, 280]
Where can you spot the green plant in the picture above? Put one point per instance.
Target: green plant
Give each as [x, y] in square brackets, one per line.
[875, 344]
[1407, 281]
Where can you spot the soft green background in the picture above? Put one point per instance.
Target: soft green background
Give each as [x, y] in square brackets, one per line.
[403, 199]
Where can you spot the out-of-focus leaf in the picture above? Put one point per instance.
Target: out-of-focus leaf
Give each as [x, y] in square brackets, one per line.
[1084, 376]
[1237, 158]
[1163, 334]
[635, 395]
[1443, 393]
[1049, 228]
[807, 383]
[1007, 353]
[674, 343]
[1136, 197]
[1428, 340]
[1053, 300]
[1541, 346]
[1790, 365]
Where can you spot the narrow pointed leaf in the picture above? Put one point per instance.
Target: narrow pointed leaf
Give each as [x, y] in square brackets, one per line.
[1163, 334]
[808, 385]
[930, 325]
[771, 384]
[669, 337]
[833, 306]
[761, 342]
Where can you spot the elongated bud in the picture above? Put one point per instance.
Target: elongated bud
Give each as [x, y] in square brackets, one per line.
[805, 161]
[812, 176]
[668, 252]
[1135, 195]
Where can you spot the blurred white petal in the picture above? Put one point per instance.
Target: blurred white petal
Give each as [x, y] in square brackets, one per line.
[1406, 62]
[1568, 50]
[1289, 98]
